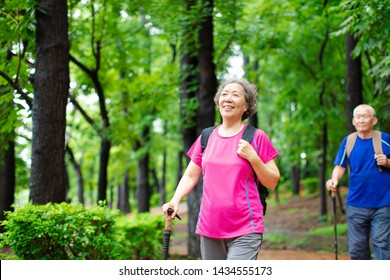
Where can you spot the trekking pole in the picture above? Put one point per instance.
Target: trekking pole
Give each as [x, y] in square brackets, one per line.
[333, 194]
[167, 233]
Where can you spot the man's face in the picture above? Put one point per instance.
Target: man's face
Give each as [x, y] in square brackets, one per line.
[363, 120]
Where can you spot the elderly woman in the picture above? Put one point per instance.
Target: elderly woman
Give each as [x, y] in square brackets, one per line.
[230, 222]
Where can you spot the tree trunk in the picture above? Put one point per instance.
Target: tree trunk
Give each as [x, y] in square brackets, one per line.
[7, 180]
[207, 77]
[188, 88]
[124, 194]
[51, 84]
[105, 146]
[79, 175]
[295, 179]
[206, 110]
[324, 124]
[143, 192]
[143, 186]
[162, 191]
[322, 170]
[353, 80]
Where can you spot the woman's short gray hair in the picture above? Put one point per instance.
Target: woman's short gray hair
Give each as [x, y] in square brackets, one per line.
[250, 93]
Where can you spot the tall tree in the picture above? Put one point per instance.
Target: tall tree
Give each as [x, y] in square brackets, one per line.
[324, 124]
[97, 44]
[7, 180]
[16, 37]
[51, 84]
[205, 115]
[354, 85]
[188, 88]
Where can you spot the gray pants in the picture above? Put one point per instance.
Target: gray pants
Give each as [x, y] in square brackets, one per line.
[244, 247]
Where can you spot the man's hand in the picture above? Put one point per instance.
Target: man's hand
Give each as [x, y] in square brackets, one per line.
[382, 160]
[331, 185]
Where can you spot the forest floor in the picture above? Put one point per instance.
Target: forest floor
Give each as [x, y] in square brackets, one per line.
[289, 233]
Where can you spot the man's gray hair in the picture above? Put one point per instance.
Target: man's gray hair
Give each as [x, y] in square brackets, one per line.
[365, 106]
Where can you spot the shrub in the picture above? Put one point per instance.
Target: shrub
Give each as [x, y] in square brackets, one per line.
[311, 184]
[142, 236]
[62, 232]
[68, 232]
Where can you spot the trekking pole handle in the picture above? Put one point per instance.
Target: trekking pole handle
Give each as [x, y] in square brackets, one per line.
[170, 212]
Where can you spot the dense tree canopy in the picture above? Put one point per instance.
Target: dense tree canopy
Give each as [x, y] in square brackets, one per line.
[141, 76]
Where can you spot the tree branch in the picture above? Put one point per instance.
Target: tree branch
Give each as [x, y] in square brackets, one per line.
[84, 114]
[17, 87]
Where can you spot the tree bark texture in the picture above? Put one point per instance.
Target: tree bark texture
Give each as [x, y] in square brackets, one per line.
[205, 116]
[124, 194]
[143, 188]
[188, 89]
[79, 175]
[295, 179]
[207, 77]
[105, 146]
[7, 180]
[353, 80]
[51, 84]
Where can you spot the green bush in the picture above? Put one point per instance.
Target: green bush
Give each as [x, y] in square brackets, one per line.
[68, 232]
[142, 236]
[311, 184]
[61, 232]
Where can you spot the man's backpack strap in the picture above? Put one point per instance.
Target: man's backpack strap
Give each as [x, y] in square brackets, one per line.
[376, 142]
[351, 139]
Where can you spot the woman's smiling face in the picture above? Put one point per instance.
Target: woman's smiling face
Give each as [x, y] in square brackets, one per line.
[232, 102]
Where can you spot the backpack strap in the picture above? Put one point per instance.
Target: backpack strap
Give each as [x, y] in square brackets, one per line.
[249, 132]
[376, 142]
[351, 139]
[248, 135]
[205, 136]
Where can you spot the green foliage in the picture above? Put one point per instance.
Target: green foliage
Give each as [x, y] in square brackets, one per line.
[311, 184]
[342, 229]
[61, 232]
[142, 236]
[369, 22]
[140, 48]
[68, 232]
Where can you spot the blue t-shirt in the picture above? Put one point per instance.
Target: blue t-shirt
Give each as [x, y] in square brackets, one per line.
[368, 187]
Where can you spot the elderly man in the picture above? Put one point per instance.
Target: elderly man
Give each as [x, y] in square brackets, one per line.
[368, 200]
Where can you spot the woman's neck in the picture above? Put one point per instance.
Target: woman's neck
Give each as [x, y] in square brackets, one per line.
[230, 128]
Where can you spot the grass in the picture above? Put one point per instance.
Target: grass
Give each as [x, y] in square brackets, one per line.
[329, 230]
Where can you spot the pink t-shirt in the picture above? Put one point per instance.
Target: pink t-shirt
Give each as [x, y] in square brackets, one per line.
[230, 204]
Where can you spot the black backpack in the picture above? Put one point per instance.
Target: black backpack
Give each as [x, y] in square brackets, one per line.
[247, 136]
